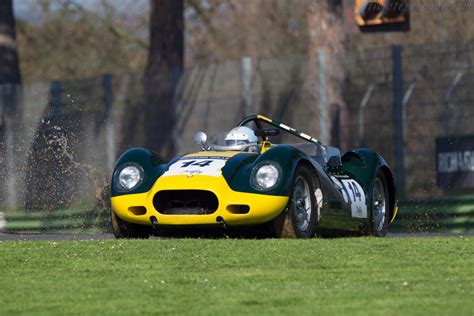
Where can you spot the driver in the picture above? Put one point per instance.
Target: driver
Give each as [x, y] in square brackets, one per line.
[242, 135]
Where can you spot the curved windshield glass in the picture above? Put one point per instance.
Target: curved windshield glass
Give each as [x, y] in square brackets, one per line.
[233, 142]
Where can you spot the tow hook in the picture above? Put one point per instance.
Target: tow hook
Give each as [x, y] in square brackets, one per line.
[220, 221]
[154, 223]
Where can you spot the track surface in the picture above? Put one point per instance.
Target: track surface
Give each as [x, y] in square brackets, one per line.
[42, 236]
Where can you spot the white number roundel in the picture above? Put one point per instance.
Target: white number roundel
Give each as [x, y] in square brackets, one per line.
[353, 194]
[196, 166]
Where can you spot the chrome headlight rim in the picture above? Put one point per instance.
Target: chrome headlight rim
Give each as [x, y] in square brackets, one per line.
[118, 186]
[253, 177]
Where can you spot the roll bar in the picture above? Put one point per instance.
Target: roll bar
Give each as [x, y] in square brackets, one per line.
[258, 119]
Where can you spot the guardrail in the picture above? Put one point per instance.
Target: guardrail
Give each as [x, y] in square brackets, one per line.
[453, 214]
[70, 221]
[449, 214]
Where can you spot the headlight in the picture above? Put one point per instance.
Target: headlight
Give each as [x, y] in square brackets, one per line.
[265, 176]
[128, 177]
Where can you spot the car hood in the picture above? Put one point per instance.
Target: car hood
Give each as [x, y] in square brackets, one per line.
[208, 163]
[233, 166]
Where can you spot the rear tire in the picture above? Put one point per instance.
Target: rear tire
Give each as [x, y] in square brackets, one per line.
[301, 216]
[379, 216]
[126, 230]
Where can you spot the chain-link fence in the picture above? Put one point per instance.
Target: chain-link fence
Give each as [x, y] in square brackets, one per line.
[435, 102]
[60, 139]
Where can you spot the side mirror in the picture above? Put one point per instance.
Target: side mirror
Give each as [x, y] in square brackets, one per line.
[201, 139]
[334, 162]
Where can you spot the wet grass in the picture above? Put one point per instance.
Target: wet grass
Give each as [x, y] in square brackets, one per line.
[355, 276]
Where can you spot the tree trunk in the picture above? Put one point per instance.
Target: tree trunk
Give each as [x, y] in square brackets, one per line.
[10, 81]
[326, 38]
[164, 68]
[9, 67]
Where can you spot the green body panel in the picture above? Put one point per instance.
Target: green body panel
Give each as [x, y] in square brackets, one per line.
[236, 172]
[153, 166]
[238, 169]
[362, 165]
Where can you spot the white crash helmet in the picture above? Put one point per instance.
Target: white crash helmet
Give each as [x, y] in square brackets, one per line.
[241, 135]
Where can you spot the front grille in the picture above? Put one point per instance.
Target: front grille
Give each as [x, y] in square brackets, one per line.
[185, 202]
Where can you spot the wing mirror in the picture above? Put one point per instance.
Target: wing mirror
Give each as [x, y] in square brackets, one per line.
[201, 139]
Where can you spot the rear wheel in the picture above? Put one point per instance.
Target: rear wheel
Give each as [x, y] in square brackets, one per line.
[300, 217]
[379, 201]
[123, 229]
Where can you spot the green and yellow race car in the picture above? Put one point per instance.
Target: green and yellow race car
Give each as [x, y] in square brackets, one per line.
[295, 190]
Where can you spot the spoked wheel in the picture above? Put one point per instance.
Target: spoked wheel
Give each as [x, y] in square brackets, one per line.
[301, 201]
[302, 214]
[123, 229]
[379, 217]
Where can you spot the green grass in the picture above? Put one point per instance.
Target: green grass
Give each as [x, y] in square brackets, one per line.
[355, 276]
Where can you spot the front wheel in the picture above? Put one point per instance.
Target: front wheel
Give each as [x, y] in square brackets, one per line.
[301, 216]
[379, 199]
[126, 230]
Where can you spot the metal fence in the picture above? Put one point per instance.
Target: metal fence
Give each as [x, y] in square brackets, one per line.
[60, 139]
[433, 99]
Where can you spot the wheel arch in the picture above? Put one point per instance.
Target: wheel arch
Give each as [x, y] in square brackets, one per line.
[363, 164]
[289, 159]
[306, 163]
[152, 164]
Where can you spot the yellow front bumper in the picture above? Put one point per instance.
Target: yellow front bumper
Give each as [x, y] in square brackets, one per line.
[262, 207]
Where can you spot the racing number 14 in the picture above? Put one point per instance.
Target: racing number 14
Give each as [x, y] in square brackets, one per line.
[357, 200]
[203, 163]
[358, 205]
[205, 167]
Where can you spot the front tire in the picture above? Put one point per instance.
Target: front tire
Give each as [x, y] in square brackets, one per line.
[301, 216]
[380, 204]
[126, 230]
